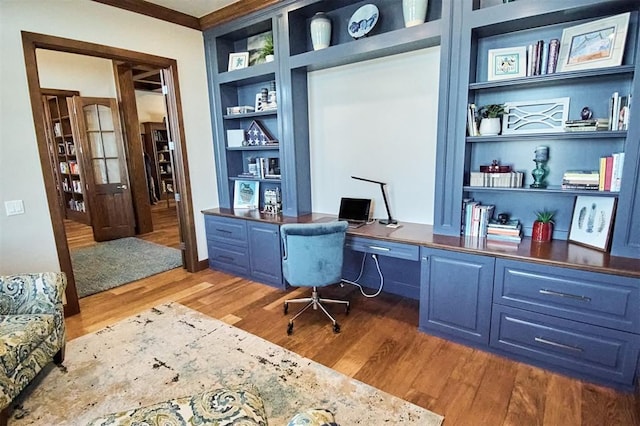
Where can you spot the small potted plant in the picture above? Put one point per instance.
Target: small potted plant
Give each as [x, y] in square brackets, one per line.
[543, 226]
[266, 52]
[490, 119]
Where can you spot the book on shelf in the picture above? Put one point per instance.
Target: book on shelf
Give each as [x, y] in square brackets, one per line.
[592, 125]
[542, 57]
[616, 172]
[554, 51]
[472, 120]
[509, 238]
[509, 224]
[619, 111]
[477, 218]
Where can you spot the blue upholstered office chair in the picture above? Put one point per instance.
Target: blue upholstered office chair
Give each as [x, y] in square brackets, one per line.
[313, 254]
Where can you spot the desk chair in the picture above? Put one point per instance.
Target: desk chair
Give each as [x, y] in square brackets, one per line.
[313, 254]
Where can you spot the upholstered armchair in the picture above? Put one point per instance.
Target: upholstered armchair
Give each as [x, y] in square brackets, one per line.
[32, 331]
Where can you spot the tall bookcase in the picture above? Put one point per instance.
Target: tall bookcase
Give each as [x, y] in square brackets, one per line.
[288, 21]
[66, 156]
[519, 24]
[157, 147]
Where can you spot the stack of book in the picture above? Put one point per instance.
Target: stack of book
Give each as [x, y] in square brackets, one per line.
[477, 218]
[592, 125]
[611, 172]
[581, 179]
[508, 233]
[619, 107]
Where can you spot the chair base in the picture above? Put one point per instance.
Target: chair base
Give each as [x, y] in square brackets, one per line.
[316, 301]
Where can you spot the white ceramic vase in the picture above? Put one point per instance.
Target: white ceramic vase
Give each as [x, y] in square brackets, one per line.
[320, 31]
[490, 126]
[414, 12]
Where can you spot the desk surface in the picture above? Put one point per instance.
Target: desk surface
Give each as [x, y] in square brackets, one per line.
[557, 252]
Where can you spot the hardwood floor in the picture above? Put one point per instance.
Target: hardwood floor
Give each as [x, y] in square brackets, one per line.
[379, 345]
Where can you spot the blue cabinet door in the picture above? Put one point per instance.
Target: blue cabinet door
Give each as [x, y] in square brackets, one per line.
[455, 295]
[265, 258]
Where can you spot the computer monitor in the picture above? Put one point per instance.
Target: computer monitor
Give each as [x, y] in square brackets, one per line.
[355, 210]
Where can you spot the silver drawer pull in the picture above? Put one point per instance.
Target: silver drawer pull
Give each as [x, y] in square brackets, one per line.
[558, 345]
[379, 248]
[223, 230]
[567, 295]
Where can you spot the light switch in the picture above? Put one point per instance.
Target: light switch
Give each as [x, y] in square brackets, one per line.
[14, 207]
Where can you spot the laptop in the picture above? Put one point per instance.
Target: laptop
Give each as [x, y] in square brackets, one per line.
[356, 211]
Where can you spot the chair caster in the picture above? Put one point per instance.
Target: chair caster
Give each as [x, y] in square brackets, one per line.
[336, 328]
[290, 329]
[286, 308]
[348, 308]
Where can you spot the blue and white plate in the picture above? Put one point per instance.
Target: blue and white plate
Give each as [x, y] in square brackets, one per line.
[363, 20]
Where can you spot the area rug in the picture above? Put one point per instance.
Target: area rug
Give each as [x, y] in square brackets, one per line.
[113, 263]
[172, 351]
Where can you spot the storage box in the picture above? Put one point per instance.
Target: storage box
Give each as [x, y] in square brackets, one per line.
[242, 109]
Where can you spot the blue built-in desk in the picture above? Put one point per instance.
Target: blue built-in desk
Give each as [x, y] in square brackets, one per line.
[556, 305]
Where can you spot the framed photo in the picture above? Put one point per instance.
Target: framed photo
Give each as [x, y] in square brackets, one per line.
[506, 63]
[238, 60]
[246, 194]
[592, 221]
[595, 44]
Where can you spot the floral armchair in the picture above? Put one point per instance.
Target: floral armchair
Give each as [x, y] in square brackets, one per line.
[32, 331]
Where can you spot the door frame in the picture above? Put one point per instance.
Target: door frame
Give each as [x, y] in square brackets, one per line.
[31, 42]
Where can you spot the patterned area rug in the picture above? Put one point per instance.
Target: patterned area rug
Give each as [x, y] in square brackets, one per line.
[172, 351]
[113, 263]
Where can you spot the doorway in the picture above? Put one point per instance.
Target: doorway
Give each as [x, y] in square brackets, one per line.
[124, 60]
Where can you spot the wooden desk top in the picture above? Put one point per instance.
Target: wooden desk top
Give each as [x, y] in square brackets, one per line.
[556, 253]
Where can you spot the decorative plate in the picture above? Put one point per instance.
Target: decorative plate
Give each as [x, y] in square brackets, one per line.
[363, 20]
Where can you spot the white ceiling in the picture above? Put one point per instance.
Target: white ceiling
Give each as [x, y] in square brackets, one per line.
[197, 8]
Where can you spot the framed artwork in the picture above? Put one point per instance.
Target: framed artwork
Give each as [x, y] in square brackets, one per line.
[246, 194]
[506, 63]
[595, 44]
[238, 60]
[592, 221]
[540, 116]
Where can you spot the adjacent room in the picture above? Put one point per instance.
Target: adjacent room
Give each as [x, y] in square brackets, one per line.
[320, 212]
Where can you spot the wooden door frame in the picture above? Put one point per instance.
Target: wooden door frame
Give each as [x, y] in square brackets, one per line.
[31, 42]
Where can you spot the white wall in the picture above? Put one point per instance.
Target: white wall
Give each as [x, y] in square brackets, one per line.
[376, 120]
[88, 75]
[150, 106]
[26, 241]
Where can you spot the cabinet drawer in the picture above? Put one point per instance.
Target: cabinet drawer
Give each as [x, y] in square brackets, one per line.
[226, 230]
[605, 300]
[383, 248]
[586, 350]
[229, 258]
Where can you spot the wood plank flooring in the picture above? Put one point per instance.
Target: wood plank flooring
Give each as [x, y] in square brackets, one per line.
[379, 345]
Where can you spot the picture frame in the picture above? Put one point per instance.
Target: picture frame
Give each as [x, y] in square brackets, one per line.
[505, 63]
[595, 44]
[238, 60]
[592, 221]
[246, 194]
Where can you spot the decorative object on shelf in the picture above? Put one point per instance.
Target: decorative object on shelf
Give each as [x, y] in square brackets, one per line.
[510, 62]
[414, 12]
[257, 134]
[272, 201]
[490, 122]
[541, 157]
[243, 109]
[320, 28]
[595, 44]
[246, 194]
[265, 53]
[542, 116]
[586, 113]
[238, 60]
[235, 138]
[543, 226]
[363, 20]
[266, 100]
[592, 221]
[495, 167]
[503, 218]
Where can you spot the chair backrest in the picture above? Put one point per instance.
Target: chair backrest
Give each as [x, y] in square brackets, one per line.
[313, 253]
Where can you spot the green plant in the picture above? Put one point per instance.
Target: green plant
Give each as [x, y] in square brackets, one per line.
[491, 111]
[545, 216]
[267, 48]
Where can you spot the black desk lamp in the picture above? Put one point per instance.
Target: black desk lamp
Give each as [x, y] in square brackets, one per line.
[390, 220]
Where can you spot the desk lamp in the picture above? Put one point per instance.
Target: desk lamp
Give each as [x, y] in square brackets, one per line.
[390, 220]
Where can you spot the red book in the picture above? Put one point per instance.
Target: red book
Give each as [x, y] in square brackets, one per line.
[608, 173]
